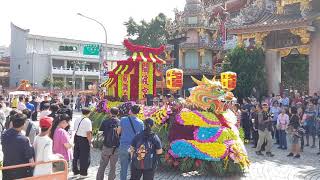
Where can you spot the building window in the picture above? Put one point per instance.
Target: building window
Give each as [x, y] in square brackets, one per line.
[208, 59]
[191, 60]
[193, 20]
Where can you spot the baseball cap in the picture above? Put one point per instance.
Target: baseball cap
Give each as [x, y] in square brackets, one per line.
[46, 122]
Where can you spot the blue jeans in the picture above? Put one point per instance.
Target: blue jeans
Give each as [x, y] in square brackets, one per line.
[124, 162]
[283, 138]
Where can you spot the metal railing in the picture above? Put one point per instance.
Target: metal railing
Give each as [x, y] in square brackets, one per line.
[210, 45]
[63, 175]
[78, 71]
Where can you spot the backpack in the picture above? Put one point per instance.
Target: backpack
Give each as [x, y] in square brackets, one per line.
[28, 130]
[112, 138]
[144, 155]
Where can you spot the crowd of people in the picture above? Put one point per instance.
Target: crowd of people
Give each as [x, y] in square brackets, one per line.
[126, 138]
[279, 119]
[276, 119]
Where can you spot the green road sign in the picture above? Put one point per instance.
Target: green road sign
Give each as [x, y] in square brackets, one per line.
[91, 49]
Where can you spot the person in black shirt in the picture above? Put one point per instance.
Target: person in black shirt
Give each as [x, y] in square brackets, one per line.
[45, 101]
[255, 120]
[264, 129]
[110, 150]
[294, 125]
[245, 119]
[145, 150]
[16, 150]
[34, 115]
[66, 108]
[54, 109]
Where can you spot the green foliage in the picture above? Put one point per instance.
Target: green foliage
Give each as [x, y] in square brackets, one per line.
[151, 33]
[294, 72]
[249, 64]
[97, 119]
[187, 165]
[56, 83]
[218, 168]
[46, 82]
[241, 133]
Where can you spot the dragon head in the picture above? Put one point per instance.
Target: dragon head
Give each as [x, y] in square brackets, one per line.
[209, 94]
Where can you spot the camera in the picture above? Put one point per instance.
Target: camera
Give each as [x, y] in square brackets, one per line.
[270, 115]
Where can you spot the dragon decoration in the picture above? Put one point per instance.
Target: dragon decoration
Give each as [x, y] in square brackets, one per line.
[208, 133]
[201, 130]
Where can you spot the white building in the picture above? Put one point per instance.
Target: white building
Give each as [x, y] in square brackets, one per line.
[35, 58]
[4, 51]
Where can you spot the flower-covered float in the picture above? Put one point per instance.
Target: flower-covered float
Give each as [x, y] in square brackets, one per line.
[204, 136]
[199, 134]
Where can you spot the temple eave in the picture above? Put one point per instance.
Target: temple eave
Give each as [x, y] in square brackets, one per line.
[255, 28]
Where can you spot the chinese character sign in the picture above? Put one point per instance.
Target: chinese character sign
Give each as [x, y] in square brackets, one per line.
[174, 79]
[229, 80]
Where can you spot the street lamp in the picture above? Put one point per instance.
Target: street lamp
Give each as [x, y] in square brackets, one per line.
[106, 42]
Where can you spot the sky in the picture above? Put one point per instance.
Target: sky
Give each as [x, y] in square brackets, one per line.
[58, 18]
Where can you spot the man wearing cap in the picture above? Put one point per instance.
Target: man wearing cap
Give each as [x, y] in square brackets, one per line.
[43, 148]
[264, 130]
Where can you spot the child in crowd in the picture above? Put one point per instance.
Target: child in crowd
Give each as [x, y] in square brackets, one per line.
[43, 148]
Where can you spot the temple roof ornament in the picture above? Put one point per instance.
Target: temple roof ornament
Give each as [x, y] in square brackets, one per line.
[304, 49]
[305, 6]
[261, 19]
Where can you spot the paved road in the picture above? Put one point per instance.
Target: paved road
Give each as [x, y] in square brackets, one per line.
[279, 167]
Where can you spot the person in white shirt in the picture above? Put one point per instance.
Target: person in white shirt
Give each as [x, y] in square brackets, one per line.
[7, 109]
[2, 115]
[82, 144]
[21, 104]
[45, 111]
[43, 148]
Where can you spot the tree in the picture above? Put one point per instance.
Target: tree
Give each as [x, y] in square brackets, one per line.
[294, 73]
[46, 82]
[249, 64]
[56, 83]
[151, 33]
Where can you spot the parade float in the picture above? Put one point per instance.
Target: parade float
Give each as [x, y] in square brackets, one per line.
[198, 134]
[135, 77]
[203, 136]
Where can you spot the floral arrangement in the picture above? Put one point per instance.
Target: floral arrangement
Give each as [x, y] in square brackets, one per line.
[159, 114]
[207, 137]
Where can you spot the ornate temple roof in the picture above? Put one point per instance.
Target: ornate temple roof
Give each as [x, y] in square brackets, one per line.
[271, 22]
[139, 54]
[144, 53]
[292, 15]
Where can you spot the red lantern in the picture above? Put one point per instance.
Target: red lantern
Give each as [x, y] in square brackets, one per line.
[174, 79]
[229, 80]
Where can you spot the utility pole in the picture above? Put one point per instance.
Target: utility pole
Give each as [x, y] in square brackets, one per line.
[105, 50]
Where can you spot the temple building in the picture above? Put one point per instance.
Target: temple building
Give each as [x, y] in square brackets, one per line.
[207, 28]
[287, 26]
[196, 51]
